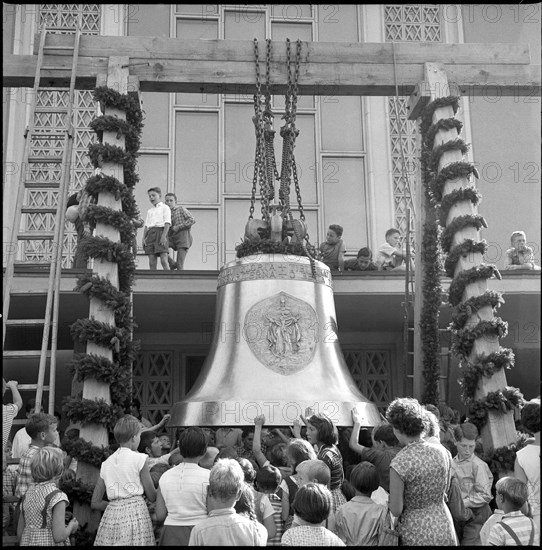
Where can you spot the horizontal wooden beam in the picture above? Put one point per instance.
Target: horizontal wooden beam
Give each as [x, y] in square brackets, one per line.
[238, 77]
[155, 48]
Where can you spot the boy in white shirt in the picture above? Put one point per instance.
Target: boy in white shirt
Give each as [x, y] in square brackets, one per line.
[155, 233]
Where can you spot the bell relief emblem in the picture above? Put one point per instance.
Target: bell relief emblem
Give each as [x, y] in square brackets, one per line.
[281, 331]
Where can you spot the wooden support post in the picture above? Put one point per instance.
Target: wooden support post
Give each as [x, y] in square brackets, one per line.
[500, 429]
[117, 78]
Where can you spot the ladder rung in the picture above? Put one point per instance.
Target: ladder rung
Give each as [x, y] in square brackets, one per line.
[28, 387]
[24, 322]
[23, 354]
[38, 209]
[45, 158]
[37, 236]
[42, 184]
[58, 48]
[55, 68]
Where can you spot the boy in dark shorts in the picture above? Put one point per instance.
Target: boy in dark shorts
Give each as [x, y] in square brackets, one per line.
[180, 238]
[155, 234]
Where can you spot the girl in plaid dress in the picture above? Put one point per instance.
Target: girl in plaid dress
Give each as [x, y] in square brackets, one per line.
[321, 433]
[125, 477]
[43, 507]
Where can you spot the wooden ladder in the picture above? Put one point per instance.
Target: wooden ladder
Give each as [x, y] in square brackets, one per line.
[50, 318]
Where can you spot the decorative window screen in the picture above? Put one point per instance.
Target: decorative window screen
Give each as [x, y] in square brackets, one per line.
[407, 23]
[371, 370]
[63, 19]
[152, 383]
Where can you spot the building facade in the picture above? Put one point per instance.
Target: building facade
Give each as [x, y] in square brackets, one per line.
[357, 162]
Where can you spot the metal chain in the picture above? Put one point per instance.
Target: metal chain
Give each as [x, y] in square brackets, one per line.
[256, 124]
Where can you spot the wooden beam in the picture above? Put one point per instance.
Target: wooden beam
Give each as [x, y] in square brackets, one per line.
[159, 48]
[315, 78]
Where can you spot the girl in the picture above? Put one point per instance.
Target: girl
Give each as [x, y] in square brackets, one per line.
[125, 476]
[297, 452]
[43, 508]
[321, 433]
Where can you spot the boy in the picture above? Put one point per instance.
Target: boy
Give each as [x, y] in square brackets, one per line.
[312, 505]
[224, 527]
[266, 485]
[9, 411]
[520, 256]
[363, 261]
[359, 522]
[513, 528]
[385, 447]
[151, 445]
[332, 250]
[42, 429]
[157, 224]
[390, 255]
[475, 480]
[180, 239]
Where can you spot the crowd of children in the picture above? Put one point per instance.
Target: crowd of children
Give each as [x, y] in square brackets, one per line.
[259, 486]
[392, 256]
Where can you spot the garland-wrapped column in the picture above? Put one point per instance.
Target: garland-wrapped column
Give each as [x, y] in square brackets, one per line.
[475, 329]
[105, 367]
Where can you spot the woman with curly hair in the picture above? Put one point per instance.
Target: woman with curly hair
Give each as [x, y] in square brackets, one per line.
[321, 433]
[420, 475]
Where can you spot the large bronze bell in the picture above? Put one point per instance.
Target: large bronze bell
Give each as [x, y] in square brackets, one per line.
[274, 351]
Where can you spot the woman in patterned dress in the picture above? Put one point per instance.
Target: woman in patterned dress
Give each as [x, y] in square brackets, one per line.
[420, 475]
[43, 507]
[125, 476]
[321, 433]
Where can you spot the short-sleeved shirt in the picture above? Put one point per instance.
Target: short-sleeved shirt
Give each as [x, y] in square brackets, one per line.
[334, 460]
[9, 412]
[520, 524]
[385, 258]
[158, 216]
[121, 473]
[24, 477]
[184, 490]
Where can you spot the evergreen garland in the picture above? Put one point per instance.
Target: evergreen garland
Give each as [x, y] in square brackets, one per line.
[431, 285]
[503, 459]
[430, 108]
[102, 334]
[463, 340]
[452, 171]
[457, 224]
[90, 365]
[122, 127]
[439, 150]
[501, 401]
[92, 411]
[267, 246]
[441, 124]
[85, 451]
[77, 490]
[104, 249]
[457, 195]
[468, 246]
[461, 313]
[488, 365]
[100, 183]
[467, 277]
[116, 218]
